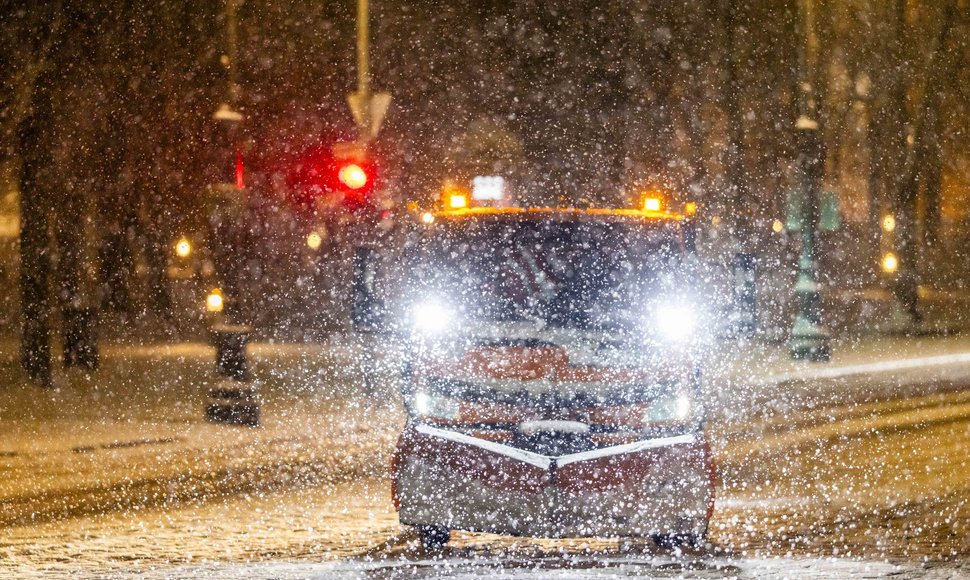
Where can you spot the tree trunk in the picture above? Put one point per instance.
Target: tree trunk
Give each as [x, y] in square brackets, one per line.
[907, 279]
[932, 177]
[35, 251]
[78, 289]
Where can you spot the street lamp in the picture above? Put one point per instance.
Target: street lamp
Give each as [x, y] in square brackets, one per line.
[183, 248]
[214, 301]
[314, 240]
[890, 263]
[809, 338]
[888, 223]
[231, 400]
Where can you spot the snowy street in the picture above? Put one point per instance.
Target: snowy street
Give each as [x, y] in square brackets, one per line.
[864, 474]
[371, 290]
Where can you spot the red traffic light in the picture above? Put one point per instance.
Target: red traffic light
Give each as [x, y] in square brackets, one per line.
[352, 175]
[320, 175]
[356, 178]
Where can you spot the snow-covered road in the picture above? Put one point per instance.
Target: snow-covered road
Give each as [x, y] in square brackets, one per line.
[554, 566]
[849, 476]
[883, 493]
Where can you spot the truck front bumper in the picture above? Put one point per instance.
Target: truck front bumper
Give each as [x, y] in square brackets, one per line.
[655, 486]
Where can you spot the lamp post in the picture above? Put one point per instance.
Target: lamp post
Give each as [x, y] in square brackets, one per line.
[809, 338]
[231, 401]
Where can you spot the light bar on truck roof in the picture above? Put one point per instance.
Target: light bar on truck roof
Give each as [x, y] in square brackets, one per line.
[652, 203]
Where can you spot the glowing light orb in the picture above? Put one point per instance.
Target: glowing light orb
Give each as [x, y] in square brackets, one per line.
[183, 248]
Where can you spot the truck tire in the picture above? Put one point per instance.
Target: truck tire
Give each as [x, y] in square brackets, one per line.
[434, 538]
[674, 541]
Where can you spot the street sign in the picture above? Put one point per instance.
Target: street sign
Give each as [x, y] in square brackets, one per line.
[369, 111]
[225, 113]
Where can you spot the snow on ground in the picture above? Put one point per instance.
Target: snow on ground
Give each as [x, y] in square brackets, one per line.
[554, 567]
[117, 475]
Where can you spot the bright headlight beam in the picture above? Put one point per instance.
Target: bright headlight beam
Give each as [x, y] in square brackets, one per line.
[432, 317]
[675, 322]
[673, 407]
[421, 403]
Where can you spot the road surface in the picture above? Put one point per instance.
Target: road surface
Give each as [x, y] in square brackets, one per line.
[863, 473]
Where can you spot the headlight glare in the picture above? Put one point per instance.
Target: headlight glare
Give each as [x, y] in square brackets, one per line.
[676, 322]
[676, 407]
[434, 406]
[432, 317]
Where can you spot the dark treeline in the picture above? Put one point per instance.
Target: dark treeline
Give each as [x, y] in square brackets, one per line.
[107, 111]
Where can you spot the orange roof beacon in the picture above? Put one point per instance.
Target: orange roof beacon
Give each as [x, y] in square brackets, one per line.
[550, 377]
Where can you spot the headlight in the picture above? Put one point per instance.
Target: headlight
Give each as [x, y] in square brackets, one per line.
[675, 407]
[434, 406]
[432, 317]
[676, 322]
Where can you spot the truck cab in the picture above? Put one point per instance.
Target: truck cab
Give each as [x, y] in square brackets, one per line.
[551, 377]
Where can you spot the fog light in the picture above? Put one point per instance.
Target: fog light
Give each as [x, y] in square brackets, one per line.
[670, 408]
[435, 407]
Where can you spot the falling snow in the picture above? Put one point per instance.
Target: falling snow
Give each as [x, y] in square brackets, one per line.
[366, 289]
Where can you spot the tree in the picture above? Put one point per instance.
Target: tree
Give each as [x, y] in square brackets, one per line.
[912, 147]
[32, 113]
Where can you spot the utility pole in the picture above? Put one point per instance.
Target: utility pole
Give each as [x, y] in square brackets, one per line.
[368, 109]
[809, 338]
[363, 67]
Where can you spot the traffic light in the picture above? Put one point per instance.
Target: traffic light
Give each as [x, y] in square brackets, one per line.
[352, 175]
[339, 174]
[355, 178]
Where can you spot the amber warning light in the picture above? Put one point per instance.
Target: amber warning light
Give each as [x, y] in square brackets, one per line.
[457, 201]
[651, 204]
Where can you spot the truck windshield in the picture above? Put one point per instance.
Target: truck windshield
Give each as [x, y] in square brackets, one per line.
[568, 273]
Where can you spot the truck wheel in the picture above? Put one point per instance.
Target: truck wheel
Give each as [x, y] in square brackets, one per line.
[673, 541]
[433, 538]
